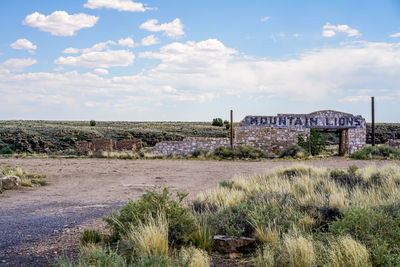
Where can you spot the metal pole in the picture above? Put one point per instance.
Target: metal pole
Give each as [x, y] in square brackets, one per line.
[231, 128]
[373, 120]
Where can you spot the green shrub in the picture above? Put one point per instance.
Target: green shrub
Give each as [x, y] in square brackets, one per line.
[199, 152]
[348, 179]
[377, 152]
[226, 183]
[181, 222]
[217, 122]
[6, 150]
[294, 151]
[92, 123]
[314, 143]
[377, 228]
[232, 221]
[240, 152]
[90, 237]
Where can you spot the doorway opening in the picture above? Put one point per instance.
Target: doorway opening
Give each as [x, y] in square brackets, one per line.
[336, 140]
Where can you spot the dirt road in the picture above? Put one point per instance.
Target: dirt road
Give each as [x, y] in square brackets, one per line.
[37, 225]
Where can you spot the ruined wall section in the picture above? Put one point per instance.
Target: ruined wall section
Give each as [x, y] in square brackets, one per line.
[357, 138]
[268, 139]
[83, 147]
[189, 145]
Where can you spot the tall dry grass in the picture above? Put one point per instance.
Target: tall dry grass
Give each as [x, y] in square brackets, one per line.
[348, 252]
[150, 238]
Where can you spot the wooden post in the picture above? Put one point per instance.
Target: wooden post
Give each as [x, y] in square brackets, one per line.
[231, 128]
[373, 120]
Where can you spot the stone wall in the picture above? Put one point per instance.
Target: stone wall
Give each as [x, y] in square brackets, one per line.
[273, 133]
[189, 145]
[268, 139]
[103, 145]
[357, 138]
[107, 145]
[83, 146]
[128, 144]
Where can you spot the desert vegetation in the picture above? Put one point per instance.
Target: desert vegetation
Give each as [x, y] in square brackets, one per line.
[60, 136]
[13, 178]
[377, 152]
[298, 216]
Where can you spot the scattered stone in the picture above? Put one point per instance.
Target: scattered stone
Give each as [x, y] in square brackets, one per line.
[9, 182]
[227, 245]
[233, 256]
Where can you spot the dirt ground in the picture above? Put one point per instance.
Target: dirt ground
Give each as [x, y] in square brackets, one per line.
[42, 223]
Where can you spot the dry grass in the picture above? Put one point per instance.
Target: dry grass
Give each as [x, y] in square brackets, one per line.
[311, 187]
[348, 252]
[222, 196]
[195, 257]
[150, 238]
[300, 251]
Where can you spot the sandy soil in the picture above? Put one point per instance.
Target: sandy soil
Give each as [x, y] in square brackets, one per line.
[38, 224]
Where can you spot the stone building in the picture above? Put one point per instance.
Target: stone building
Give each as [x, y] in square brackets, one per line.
[273, 133]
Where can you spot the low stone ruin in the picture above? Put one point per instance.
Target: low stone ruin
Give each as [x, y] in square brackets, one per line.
[107, 145]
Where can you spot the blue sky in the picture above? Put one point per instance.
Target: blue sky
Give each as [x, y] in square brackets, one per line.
[196, 60]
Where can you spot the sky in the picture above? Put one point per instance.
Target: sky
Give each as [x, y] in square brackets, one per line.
[181, 60]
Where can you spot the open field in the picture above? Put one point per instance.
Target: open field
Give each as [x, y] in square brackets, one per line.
[41, 223]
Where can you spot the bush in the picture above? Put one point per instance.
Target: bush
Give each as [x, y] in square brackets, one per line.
[240, 152]
[294, 151]
[217, 122]
[181, 222]
[377, 152]
[314, 143]
[377, 228]
[90, 236]
[92, 123]
[6, 150]
[227, 125]
[199, 152]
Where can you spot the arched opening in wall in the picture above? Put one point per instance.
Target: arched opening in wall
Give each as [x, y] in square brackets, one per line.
[336, 140]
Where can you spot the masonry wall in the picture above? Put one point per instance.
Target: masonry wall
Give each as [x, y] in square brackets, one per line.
[268, 139]
[357, 138]
[189, 145]
[107, 145]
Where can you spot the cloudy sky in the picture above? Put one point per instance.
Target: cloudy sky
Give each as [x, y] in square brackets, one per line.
[195, 60]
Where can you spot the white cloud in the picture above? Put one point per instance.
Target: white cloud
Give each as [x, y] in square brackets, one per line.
[17, 64]
[296, 35]
[150, 40]
[120, 5]
[264, 19]
[126, 42]
[199, 71]
[60, 23]
[24, 44]
[395, 35]
[101, 71]
[95, 48]
[103, 59]
[172, 29]
[329, 30]
[192, 57]
[71, 50]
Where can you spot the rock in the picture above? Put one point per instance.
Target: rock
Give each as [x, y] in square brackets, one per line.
[9, 182]
[233, 256]
[224, 244]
